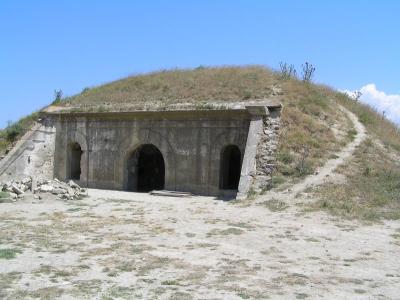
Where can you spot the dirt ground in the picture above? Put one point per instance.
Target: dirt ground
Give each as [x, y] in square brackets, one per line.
[119, 245]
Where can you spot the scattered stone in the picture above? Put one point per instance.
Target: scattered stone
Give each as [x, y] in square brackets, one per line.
[66, 191]
[26, 181]
[16, 190]
[46, 188]
[73, 184]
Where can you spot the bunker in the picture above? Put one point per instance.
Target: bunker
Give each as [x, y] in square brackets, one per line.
[206, 152]
[226, 151]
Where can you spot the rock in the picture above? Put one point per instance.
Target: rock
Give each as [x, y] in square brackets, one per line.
[45, 188]
[13, 195]
[16, 190]
[71, 191]
[66, 191]
[26, 180]
[73, 185]
[33, 185]
[58, 191]
[24, 187]
[37, 197]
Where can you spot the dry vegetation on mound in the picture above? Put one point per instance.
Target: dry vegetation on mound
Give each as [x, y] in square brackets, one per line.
[372, 187]
[314, 127]
[309, 111]
[229, 84]
[15, 131]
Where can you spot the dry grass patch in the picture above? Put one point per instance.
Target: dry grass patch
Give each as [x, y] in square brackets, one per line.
[180, 86]
[275, 205]
[372, 190]
[9, 253]
[228, 231]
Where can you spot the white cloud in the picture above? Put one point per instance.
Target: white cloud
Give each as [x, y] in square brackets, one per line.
[390, 104]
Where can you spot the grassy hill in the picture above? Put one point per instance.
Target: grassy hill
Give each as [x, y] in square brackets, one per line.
[314, 126]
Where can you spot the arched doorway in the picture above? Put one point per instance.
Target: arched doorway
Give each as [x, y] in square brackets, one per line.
[145, 169]
[75, 161]
[231, 165]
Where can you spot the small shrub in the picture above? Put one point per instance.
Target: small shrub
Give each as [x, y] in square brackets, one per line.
[246, 95]
[304, 166]
[170, 282]
[351, 134]
[285, 157]
[308, 71]
[13, 130]
[287, 71]
[367, 171]
[277, 180]
[251, 194]
[57, 97]
[275, 205]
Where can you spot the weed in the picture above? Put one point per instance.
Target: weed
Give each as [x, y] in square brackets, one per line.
[9, 253]
[285, 157]
[229, 231]
[251, 194]
[351, 134]
[4, 195]
[13, 130]
[57, 97]
[308, 71]
[275, 205]
[170, 282]
[288, 71]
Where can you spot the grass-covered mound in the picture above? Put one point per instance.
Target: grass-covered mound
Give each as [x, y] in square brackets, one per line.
[308, 115]
[314, 126]
[164, 88]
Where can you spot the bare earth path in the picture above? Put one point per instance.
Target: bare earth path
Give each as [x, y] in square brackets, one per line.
[119, 245]
[326, 172]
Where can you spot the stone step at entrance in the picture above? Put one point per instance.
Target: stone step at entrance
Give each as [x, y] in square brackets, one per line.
[170, 193]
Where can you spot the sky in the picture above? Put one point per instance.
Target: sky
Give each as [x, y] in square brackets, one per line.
[69, 44]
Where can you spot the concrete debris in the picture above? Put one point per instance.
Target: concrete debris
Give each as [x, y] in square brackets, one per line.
[17, 190]
[66, 191]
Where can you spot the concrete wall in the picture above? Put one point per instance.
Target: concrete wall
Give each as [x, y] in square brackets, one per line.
[32, 155]
[190, 142]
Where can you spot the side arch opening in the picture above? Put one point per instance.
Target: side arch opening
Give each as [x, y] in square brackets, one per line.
[75, 159]
[231, 165]
[145, 169]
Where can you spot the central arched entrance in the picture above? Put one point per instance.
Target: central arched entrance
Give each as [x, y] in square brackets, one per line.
[75, 158]
[146, 169]
[231, 165]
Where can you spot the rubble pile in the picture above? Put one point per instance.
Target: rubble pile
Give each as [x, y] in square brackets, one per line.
[67, 191]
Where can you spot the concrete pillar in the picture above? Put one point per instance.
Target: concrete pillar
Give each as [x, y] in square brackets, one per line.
[249, 160]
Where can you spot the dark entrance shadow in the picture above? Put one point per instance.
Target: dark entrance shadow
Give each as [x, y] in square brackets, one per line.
[146, 169]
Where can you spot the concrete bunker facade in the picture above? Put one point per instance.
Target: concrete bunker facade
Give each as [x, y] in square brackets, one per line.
[206, 152]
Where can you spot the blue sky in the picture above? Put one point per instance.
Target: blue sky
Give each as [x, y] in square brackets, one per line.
[47, 45]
